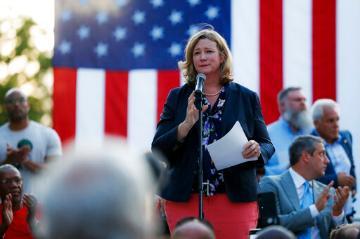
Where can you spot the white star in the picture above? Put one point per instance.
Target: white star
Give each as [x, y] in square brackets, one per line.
[175, 17]
[66, 15]
[212, 12]
[192, 30]
[138, 49]
[194, 2]
[138, 17]
[101, 49]
[121, 3]
[101, 17]
[65, 47]
[175, 49]
[83, 32]
[157, 3]
[119, 33]
[157, 33]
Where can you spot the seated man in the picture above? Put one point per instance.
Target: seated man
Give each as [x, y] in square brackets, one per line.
[306, 206]
[18, 210]
[338, 146]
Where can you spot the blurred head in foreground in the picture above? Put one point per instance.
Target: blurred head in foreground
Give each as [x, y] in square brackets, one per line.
[97, 191]
[346, 231]
[193, 228]
[275, 232]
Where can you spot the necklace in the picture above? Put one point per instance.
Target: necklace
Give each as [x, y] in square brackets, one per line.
[214, 94]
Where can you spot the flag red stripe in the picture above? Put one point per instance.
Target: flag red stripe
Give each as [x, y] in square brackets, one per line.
[64, 98]
[271, 56]
[116, 103]
[166, 81]
[324, 49]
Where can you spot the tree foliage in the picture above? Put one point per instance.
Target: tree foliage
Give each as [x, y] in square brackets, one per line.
[24, 65]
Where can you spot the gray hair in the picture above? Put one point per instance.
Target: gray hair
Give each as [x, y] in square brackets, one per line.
[317, 108]
[97, 192]
[305, 143]
[285, 92]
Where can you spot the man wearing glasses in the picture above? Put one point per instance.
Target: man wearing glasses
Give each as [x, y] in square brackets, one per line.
[17, 210]
[24, 143]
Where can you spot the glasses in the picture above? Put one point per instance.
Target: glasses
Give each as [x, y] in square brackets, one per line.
[21, 100]
[8, 181]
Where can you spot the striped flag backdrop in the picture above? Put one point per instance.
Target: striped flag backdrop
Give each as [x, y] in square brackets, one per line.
[115, 60]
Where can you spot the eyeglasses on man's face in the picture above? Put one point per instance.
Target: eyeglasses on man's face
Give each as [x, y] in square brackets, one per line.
[20, 100]
[8, 181]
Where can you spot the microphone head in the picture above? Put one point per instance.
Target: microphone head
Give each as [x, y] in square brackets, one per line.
[200, 76]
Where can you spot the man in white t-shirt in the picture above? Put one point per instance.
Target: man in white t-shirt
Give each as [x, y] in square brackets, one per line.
[24, 143]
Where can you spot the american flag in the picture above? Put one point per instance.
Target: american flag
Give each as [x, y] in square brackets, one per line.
[116, 60]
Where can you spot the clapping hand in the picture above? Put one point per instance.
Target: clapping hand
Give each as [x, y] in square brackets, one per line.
[30, 202]
[7, 211]
[324, 197]
[346, 180]
[342, 194]
[17, 156]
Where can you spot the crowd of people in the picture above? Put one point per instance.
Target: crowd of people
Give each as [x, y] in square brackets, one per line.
[107, 191]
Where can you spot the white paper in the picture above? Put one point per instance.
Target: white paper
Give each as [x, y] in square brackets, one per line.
[227, 151]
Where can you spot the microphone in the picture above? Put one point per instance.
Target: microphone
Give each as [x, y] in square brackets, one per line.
[200, 78]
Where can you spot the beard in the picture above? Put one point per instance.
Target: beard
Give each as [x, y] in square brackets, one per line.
[299, 120]
[17, 116]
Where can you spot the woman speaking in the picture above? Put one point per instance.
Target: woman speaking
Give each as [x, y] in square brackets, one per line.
[230, 201]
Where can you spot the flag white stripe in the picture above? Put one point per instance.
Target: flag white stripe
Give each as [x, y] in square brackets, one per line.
[348, 72]
[297, 40]
[142, 108]
[245, 42]
[90, 96]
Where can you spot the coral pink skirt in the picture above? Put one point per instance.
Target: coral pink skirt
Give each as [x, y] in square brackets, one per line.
[229, 219]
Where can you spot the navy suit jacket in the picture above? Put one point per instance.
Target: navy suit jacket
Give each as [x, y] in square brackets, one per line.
[291, 215]
[330, 174]
[240, 181]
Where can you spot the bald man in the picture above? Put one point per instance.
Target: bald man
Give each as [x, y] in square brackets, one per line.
[17, 209]
[24, 143]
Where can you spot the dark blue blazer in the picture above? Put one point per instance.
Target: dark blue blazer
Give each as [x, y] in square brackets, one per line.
[346, 143]
[240, 181]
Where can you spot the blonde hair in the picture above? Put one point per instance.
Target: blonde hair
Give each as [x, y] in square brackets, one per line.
[187, 66]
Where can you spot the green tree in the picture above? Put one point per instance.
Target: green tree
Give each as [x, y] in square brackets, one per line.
[25, 65]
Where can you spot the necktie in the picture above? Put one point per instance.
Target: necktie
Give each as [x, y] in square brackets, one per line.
[305, 202]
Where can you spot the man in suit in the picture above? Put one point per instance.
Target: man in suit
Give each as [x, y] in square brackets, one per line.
[305, 206]
[338, 146]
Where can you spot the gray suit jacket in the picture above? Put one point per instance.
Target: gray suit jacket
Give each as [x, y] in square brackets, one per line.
[288, 206]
